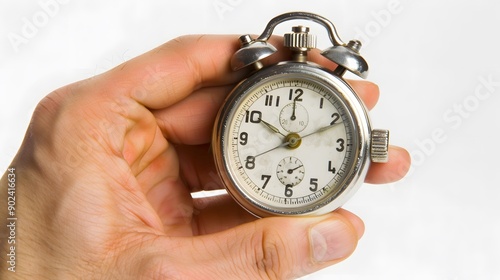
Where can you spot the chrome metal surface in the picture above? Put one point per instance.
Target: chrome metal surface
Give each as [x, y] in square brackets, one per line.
[379, 146]
[251, 52]
[300, 39]
[345, 55]
[332, 32]
[348, 57]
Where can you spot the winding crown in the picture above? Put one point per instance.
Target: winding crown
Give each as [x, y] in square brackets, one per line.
[380, 145]
[300, 39]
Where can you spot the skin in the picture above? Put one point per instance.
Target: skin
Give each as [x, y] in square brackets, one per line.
[105, 174]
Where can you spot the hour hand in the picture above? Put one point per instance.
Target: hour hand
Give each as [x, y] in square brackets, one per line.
[271, 127]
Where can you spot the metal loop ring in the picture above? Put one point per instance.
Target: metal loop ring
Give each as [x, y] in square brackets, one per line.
[332, 32]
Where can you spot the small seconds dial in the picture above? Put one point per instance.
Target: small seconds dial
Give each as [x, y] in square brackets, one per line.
[290, 171]
[294, 117]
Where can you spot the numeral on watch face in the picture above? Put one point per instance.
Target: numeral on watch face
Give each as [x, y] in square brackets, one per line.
[253, 116]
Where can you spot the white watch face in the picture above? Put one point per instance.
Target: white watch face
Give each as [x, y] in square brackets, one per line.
[290, 143]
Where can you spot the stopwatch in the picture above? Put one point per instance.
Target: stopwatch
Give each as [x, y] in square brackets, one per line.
[293, 138]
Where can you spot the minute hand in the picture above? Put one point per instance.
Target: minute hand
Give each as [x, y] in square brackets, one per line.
[321, 130]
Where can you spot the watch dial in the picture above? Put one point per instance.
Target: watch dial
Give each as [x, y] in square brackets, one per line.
[290, 144]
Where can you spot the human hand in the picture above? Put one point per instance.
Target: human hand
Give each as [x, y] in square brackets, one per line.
[108, 165]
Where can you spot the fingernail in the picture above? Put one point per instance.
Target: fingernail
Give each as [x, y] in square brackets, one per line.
[331, 240]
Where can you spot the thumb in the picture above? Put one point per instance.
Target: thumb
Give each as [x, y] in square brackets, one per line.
[277, 248]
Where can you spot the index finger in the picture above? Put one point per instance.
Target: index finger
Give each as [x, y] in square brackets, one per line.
[170, 72]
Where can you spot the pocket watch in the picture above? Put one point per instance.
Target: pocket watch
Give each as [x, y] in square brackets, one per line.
[293, 138]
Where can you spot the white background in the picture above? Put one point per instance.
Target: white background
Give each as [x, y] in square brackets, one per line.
[432, 60]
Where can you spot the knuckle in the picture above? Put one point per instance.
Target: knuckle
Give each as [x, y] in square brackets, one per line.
[271, 258]
[45, 118]
[49, 106]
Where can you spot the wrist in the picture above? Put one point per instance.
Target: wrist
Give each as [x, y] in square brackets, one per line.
[30, 247]
[17, 246]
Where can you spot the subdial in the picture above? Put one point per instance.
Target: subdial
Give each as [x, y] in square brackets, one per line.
[294, 117]
[290, 171]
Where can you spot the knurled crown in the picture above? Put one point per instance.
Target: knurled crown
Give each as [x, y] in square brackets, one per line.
[380, 145]
[300, 39]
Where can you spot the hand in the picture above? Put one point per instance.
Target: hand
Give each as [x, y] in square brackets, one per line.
[293, 117]
[271, 127]
[321, 130]
[108, 165]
